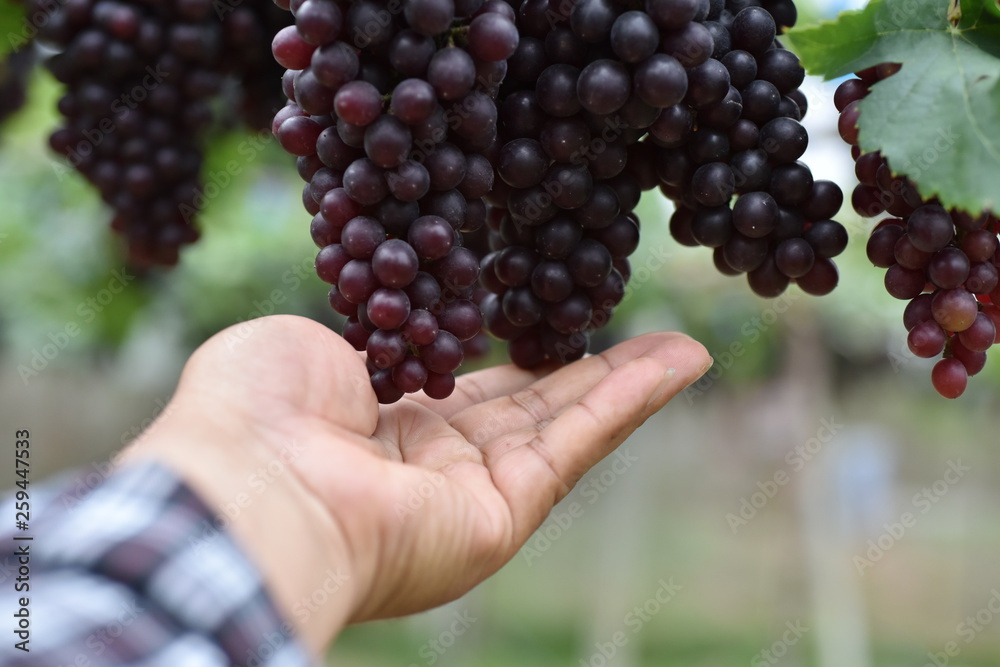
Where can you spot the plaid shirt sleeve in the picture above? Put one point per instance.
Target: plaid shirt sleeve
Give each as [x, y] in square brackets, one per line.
[137, 572]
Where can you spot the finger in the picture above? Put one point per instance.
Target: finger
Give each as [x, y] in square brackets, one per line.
[534, 476]
[533, 406]
[481, 386]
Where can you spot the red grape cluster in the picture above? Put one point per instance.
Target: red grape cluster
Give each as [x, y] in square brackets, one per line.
[392, 109]
[943, 262]
[141, 80]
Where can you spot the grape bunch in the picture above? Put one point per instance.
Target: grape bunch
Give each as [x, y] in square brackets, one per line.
[141, 82]
[603, 100]
[392, 111]
[944, 263]
[737, 131]
[14, 72]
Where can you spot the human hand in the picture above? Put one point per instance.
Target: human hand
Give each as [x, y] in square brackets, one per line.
[417, 501]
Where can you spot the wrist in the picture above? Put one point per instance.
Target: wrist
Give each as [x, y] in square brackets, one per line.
[247, 481]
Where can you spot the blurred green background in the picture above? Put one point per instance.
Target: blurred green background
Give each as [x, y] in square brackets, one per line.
[811, 501]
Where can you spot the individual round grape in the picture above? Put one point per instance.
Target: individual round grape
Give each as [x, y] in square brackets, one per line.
[565, 139]
[514, 264]
[753, 30]
[708, 84]
[461, 318]
[409, 375]
[712, 227]
[691, 45]
[444, 355]
[562, 45]
[742, 67]
[621, 237]
[930, 228]
[849, 91]
[948, 268]
[298, 135]
[782, 68]
[660, 80]
[755, 214]
[526, 351]
[478, 179]
[827, 237]
[338, 208]
[330, 261]
[589, 263]
[557, 238]
[954, 309]
[680, 226]
[413, 101]
[458, 269]
[386, 348]
[847, 123]
[926, 339]
[492, 37]
[387, 141]
[358, 102]
[410, 53]
[569, 185]
[972, 361]
[331, 66]
[725, 113]
[388, 308]
[365, 183]
[784, 139]
[555, 90]
[394, 263]
[421, 327]
[355, 334]
[949, 378]
[979, 245]
[983, 278]
[980, 336]
[671, 14]
[673, 126]
[791, 184]
[409, 181]
[522, 307]
[439, 385]
[713, 184]
[431, 237]
[824, 201]
[634, 36]
[570, 315]
[475, 117]
[918, 310]
[341, 304]
[821, 279]
[452, 73]
[551, 281]
[743, 135]
[903, 283]
[743, 253]
[767, 280]
[522, 163]
[386, 391]
[794, 257]
[429, 17]
[720, 39]
[761, 102]
[592, 20]
[361, 236]
[446, 166]
[290, 49]
[603, 86]
[751, 170]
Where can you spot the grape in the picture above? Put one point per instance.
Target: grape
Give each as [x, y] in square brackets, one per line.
[755, 214]
[603, 86]
[821, 279]
[948, 268]
[794, 257]
[954, 309]
[930, 228]
[634, 36]
[394, 263]
[926, 339]
[421, 327]
[388, 308]
[917, 311]
[409, 375]
[949, 378]
[661, 81]
[713, 184]
[431, 237]
[980, 335]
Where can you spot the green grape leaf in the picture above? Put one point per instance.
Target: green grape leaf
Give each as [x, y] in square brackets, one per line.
[935, 120]
[15, 30]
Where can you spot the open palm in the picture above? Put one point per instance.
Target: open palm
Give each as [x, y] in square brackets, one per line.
[431, 497]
